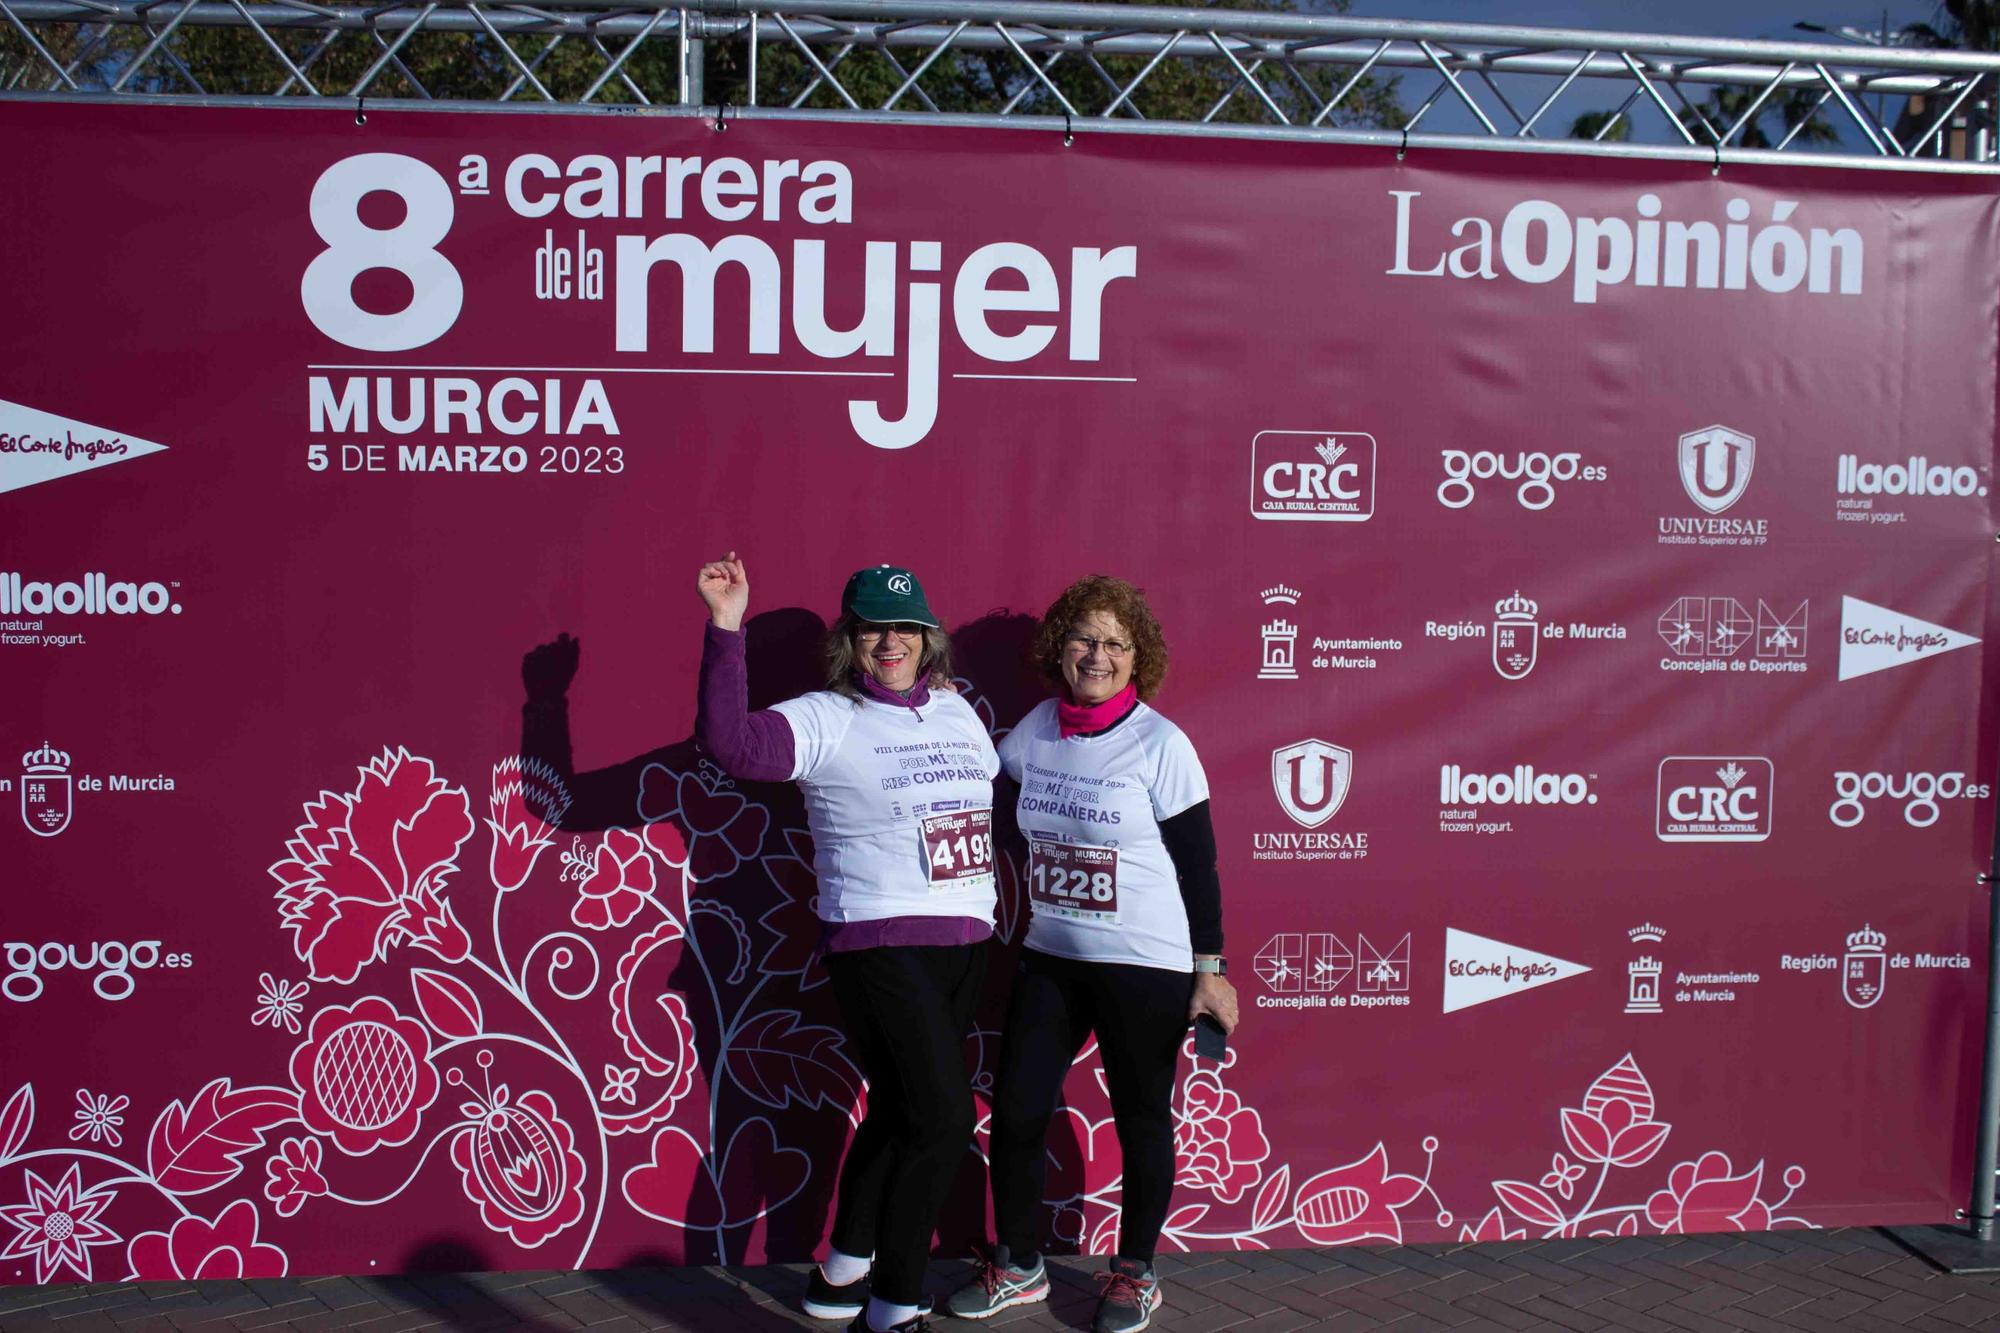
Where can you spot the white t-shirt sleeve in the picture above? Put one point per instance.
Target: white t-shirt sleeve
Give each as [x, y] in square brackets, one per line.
[819, 722]
[1011, 744]
[1178, 781]
[989, 758]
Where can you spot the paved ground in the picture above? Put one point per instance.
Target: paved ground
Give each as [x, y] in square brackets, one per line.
[1779, 1282]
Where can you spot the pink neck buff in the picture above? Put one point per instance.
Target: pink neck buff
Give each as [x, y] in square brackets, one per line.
[1085, 719]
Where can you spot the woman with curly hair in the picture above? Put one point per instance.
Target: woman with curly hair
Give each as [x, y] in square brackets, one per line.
[1125, 939]
[898, 774]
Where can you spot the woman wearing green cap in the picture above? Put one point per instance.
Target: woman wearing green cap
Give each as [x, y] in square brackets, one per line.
[898, 774]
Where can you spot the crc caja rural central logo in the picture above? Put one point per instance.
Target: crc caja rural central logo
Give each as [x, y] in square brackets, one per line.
[1314, 476]
[1714, 798]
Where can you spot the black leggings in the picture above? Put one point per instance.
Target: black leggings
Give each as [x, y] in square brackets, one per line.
[1140, 1017]
[906, 1009]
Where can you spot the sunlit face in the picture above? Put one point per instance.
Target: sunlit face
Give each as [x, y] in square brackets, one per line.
[1097, 658]
[890, 654]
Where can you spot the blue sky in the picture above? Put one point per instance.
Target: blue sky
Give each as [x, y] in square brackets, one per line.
[1712, 18]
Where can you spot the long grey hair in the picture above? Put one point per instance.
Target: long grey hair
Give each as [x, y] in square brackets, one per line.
[843, 662]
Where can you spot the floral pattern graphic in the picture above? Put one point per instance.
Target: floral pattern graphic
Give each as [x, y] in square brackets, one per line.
[1219, 1142]
[526, 805]
[98, 1118]
[1221, 1155]
[58, 1225]
[518, 1162]
[637, 1032]
[1616, 1128]
[291, 1176]
[1703, 1196]
[364, 1075]
[720, 827]
[617, 885]
[368, 869]
[279, 1003]
[199, 1249]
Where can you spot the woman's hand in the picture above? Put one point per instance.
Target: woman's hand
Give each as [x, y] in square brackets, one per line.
[725, 587]
[1213, 995]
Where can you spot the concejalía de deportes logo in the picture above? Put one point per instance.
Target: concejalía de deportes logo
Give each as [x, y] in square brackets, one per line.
[611, 206]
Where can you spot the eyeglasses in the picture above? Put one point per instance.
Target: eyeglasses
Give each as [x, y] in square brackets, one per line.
[1114, 648]
[905, 629]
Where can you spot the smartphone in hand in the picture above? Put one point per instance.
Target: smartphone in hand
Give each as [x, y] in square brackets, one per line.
[1210, 1041]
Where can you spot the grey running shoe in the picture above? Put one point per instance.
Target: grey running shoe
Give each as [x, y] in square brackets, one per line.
[997, 1285]
[1131, 1294]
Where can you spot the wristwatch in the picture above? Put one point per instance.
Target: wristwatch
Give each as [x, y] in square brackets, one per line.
[1217, 966]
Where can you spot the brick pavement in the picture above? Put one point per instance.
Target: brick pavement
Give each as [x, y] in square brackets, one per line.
[1780, 1282]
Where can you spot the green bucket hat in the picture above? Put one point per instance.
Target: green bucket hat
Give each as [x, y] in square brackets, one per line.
[886, 594]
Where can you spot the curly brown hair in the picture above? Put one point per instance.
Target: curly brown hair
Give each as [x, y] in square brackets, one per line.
[1115, 597]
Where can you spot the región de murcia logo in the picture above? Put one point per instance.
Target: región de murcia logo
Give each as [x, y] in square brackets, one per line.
[1515, 630]
[1865, 966]
[45, 791]
[49, 789]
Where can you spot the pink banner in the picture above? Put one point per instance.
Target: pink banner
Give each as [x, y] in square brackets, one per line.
[1577, 573]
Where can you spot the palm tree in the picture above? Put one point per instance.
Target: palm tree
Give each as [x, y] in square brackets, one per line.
[1721, 109]
[1964, 25]
[1793, 110]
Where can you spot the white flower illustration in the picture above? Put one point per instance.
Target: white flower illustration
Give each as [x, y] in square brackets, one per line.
[98, 1118]
[280, 1003]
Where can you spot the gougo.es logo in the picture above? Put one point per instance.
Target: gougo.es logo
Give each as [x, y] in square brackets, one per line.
[112, 962]
[1919, 792]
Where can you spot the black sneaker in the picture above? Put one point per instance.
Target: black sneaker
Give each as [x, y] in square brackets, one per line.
[916, 1323]
[1131, 1294]
[826, 1301]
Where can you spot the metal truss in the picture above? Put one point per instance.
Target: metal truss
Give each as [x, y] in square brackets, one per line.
[1095, 66]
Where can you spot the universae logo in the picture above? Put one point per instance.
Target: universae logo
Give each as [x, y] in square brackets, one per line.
[1311, 778]
[1715, 466]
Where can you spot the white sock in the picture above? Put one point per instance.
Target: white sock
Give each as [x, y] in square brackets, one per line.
[883, 1317]
[841, 1269]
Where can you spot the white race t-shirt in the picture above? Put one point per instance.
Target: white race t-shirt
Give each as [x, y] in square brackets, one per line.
[900, 803]
[1100, 882]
